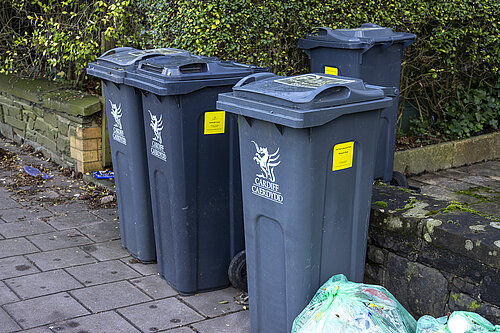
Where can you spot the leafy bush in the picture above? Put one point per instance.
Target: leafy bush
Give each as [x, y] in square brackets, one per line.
[450, 74]
[56, 39]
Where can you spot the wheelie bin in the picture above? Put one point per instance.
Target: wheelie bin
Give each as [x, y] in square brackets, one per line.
[373, 54]
[128, 147]
[193, 160]
[307, 150]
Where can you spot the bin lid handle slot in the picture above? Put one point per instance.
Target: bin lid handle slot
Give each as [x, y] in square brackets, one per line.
[197, 67]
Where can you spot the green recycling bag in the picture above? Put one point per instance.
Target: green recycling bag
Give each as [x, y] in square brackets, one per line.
[344, 306]
[457, 322]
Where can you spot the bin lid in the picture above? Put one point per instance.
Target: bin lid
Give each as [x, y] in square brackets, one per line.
[182, 74]
[113, 64]
[305, 100]
[366, 35]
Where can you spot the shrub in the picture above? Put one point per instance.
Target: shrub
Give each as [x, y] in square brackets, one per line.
[449, 74]
[56, 39]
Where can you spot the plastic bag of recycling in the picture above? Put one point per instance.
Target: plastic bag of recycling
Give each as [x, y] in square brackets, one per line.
[457, 322]
[344, 306]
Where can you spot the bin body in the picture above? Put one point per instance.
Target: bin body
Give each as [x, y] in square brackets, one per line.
[306, 210]
[373, 54]
[128, 147]
[193, 160]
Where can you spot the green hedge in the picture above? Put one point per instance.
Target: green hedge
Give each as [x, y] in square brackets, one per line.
[450, 74]
[56, 39]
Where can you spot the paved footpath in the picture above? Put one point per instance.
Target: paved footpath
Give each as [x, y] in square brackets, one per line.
[62, 267]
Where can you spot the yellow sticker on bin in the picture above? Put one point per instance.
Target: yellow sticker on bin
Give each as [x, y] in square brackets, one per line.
[343, 155]
[215, 122]
[331, 70]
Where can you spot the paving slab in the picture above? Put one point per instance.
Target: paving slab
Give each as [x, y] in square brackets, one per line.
[20, 214]
[8, 203]
[41, 284]
[16, 266]
[62, 258]
[107, 214]
[215, 303]
[6, 295]
[24, 228]
[154, 286]
[7, 324]
[16, 246]
[59, 240]
[101, 232]
[45, 310]
[102, 272]
[107, 250]
[160, 315]
[102, 322]
[110, 296]
[144, 269]
[73, 220]
[68, 207]
[238, 322]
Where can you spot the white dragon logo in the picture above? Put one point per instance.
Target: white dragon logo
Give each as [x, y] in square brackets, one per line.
[157, 125]
[116, 112]
[266, 161]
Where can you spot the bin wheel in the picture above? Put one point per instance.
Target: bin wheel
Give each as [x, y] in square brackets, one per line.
[399, 179]
[238, 271]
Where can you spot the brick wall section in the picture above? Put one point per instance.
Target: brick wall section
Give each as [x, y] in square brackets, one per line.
[63, 124]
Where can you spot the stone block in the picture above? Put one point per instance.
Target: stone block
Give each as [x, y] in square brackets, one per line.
[497, 145]
[16, 266]
[51, 119]
[214, 303]
[445, 260]
[490, 288]
[14, 122]
[233, 323]
[88, 132]
[28, 89]
[429, 158]
[63, 125]
[6, 131]
[88, 166]
[52, 133]
[463, 302]
[420, 289]
[102, 232]
[84, 144]
[73, 102]
[40, 125]
[472, 150]
[84, 156]
[375, 254]
[30, 124]
[46, 142]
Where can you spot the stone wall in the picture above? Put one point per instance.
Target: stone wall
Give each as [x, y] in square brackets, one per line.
[433, 258]
[64, 124]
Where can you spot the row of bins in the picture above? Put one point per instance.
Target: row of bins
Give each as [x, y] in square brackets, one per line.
[215, 157]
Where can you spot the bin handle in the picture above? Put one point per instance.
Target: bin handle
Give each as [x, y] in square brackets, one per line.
[253, 78]
[115, 50]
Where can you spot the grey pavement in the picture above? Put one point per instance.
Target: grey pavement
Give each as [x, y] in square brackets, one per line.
[63, 269]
